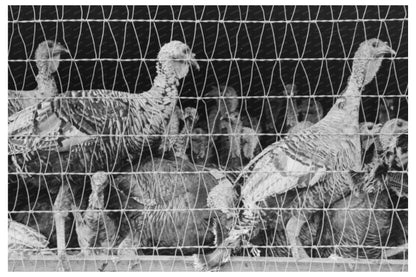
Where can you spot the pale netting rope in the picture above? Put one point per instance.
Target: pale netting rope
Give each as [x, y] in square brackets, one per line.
[264, 71]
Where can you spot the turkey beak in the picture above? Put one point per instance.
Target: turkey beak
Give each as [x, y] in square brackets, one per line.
[193, 62]
[387, 50]
[224, 117]
[58, 49]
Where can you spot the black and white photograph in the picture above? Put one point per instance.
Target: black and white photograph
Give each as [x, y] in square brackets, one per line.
[207, 138]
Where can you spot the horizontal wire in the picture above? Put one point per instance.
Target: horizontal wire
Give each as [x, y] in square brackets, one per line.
[242, 97]
[189, 135]
[166, 210]
[200, 21]
[211, 60]
[214, 247]
[207, 171]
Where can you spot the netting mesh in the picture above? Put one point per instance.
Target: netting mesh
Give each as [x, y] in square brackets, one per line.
[266, 73]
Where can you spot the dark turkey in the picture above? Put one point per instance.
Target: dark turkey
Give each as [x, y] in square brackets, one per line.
[177, 214]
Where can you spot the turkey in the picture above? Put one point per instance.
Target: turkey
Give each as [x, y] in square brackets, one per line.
[371, 181]
[175, 198]
[305, 158]
[271, 231]
[96, 230]
[243, 142]
[390, 134]
[368, 133]
[94, 130]
[47, 57]
[227, 102]
[362, 224]
[25, 240]
[199, 148]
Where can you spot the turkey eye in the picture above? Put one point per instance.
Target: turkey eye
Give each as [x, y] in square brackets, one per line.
[185, 51]
[375, 44]
[400, 124]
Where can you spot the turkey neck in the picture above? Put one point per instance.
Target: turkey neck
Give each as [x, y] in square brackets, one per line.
[96, 200]
[167, 83]
[46, 82]
[345, 112]
[234, 129]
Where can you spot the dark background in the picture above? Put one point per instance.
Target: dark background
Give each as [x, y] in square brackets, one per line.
[215, 32]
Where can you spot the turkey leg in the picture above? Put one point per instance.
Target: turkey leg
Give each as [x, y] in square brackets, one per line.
[293, 227]
[60, 212]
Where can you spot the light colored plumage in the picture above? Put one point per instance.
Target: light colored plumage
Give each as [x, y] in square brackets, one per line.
[300, 126]
[321, 152]
[390, 132]
[47, 55]
[23, 239]
[244, 141]
[89, 131]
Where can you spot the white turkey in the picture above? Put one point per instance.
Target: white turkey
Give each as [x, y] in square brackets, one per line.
[47, 55]
[321, 152]
[93, 130]
[243, 142]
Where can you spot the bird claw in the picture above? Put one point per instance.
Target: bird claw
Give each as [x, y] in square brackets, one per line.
[254, 251]
[63, 263]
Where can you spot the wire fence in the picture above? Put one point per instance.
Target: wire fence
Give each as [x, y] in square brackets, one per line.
[114, 166]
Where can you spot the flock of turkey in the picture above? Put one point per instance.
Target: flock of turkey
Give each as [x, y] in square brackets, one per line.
[139, 174]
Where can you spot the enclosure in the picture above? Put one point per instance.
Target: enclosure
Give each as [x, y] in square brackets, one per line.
[286, 64]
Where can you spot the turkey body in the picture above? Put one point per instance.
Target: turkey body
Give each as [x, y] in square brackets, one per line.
[359, 226]
[174, 195]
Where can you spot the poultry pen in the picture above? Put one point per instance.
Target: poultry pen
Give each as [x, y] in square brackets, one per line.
[137, 136]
